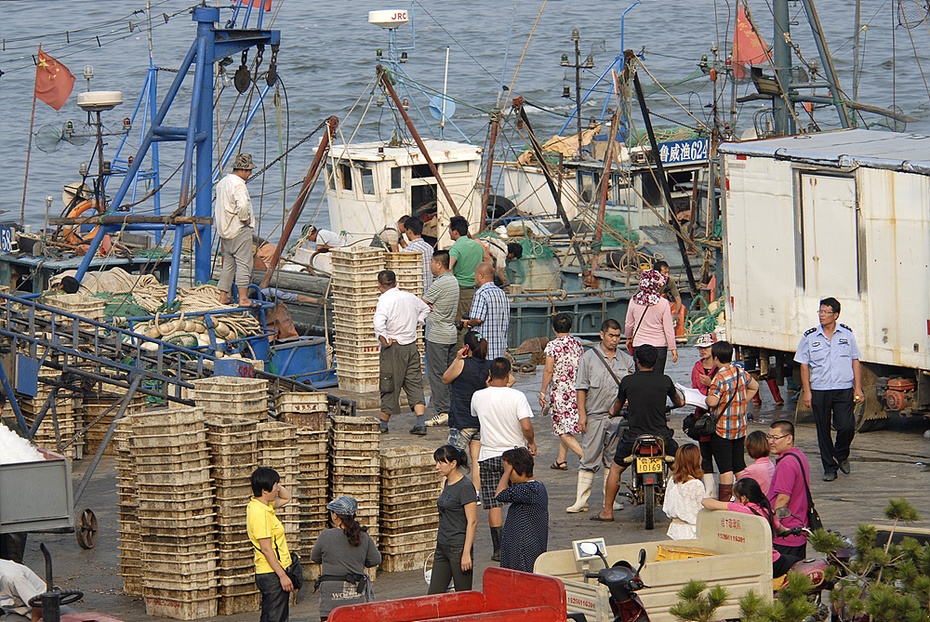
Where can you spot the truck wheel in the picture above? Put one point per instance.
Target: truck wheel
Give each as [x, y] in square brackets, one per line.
[866, 423]
[649, 505]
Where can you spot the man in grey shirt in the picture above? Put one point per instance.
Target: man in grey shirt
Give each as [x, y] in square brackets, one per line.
[597, 390]
[441, 335]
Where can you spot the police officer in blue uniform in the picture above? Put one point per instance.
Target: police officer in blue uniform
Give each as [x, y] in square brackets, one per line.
[829, 360]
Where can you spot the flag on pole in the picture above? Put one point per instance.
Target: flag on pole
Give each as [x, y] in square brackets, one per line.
[260, 3]
[748, 46]
[53, 81]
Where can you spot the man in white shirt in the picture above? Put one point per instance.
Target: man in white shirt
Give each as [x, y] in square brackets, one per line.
[324, 238]
[18, 584]
[233, 217]
[504, 414]
[396, 317]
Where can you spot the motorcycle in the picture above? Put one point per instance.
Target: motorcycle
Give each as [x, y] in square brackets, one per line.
[649, 476]
[622, 582]
[815, 568]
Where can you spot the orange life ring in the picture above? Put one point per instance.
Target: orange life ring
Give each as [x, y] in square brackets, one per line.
[72, 234]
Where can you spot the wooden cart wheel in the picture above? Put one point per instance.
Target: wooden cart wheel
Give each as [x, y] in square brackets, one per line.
[86, 531]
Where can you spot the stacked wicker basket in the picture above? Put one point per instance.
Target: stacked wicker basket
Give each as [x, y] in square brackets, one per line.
[309, 413]
[97, 411]
[355, 295]
[355, 466]
[130, 538]
[233, 445]
[62, 409]
[176, 513]
[409, 514]
[239, 397]
[277, 449]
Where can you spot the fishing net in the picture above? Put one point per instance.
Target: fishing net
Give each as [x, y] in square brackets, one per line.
[617, 232]
[912, 13]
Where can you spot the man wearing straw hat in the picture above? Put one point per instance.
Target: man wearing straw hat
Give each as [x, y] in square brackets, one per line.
[234, 216]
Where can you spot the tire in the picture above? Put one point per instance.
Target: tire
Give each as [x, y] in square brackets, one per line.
[649, 505]
[864, 425]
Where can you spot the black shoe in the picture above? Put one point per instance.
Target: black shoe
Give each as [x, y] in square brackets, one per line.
[419, 430]
[844, 466]
[829, 477]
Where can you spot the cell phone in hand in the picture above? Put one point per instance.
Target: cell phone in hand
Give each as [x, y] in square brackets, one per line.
[465, 350]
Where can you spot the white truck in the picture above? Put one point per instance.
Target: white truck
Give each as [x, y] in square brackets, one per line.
[732, 549]
[845, 214]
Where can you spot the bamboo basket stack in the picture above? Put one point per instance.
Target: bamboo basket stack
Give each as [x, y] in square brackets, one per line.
[309, 413]
[233, 444]
[409, 514]
[277, 449]
[130, 538]
[354, 469]
[176, 513]
[231, 396]
[355, 296]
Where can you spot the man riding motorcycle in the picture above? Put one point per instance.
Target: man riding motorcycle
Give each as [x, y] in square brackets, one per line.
[644, 392]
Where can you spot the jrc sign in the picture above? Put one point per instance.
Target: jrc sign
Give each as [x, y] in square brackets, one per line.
[387, 19]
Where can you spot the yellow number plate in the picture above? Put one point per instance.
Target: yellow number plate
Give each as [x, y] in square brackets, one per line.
[649, 465]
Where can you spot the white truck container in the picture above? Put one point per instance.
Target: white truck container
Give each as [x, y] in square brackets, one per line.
[844, 214]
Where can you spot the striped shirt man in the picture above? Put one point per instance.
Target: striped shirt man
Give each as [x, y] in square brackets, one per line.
[419, 245]
[492, 307]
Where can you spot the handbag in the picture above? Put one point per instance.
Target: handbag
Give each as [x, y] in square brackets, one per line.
[813, 516]
[629, 344]
[706, 424]
[295, 572]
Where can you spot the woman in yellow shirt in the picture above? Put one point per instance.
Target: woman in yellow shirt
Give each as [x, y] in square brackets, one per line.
[272, 558]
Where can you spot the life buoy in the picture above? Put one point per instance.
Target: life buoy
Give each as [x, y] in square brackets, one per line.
[73, 234]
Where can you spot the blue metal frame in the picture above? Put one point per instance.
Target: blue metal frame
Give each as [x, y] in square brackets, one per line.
[209, 46]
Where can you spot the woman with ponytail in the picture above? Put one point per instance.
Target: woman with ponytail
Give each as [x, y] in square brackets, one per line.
[458, 522]
[345, 551]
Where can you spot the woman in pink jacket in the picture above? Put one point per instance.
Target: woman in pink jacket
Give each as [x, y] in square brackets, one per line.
[649, 318]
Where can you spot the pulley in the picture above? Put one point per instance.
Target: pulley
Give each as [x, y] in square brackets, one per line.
[243, 79]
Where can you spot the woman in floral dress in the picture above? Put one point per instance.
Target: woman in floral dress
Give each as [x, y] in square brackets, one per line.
[558, 387]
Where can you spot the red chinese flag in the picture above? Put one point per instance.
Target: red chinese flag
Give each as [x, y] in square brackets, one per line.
[53, 81]
[748, 46]
[266, 3]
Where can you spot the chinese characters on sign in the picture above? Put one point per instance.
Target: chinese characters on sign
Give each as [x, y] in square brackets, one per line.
[681, 151]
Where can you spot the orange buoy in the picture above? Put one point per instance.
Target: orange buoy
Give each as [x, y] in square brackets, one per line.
[73, 234]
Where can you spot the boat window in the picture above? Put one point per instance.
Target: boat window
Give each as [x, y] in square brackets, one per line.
[396, 177]
[345, 172]
[421, 171]
[368, 181]
[454, 168]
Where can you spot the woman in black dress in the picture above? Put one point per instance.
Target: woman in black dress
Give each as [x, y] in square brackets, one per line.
[458, 521]
[526, 529]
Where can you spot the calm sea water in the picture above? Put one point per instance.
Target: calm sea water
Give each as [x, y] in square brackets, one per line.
[327, 61]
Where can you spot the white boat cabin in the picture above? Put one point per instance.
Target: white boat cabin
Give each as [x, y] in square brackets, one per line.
[370, 185]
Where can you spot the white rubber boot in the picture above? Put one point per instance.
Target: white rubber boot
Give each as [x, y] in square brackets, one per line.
[582, 492]
[710, 486]
[618, 505]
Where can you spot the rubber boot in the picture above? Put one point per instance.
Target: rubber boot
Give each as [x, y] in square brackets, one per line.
[710, 486]
[776, 394]
[582, 492]
[496, 541]
[618, 505]
[757, 399]
[725, 492]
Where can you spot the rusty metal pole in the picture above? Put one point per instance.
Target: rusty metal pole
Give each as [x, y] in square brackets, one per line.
[602, 209]
[486, 194]
[386, 82]
[298, 206]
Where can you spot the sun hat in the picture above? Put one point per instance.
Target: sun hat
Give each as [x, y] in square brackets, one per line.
[705, 341]
[243, 162]
[343, 506]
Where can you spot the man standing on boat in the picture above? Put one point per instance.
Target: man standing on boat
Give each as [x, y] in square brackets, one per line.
[464, 256]
[830, 385]
[414, 233]
[443, 299]
[396, 317]
[490, 311]
[234, 216]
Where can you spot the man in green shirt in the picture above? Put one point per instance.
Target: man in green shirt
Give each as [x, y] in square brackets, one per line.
[464, 256]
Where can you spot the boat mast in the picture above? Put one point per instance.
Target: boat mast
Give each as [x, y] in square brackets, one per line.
[855, 78]
[783, 107]
[839, 102]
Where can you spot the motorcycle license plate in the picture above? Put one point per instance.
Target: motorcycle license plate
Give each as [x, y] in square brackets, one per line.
[649, 465]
